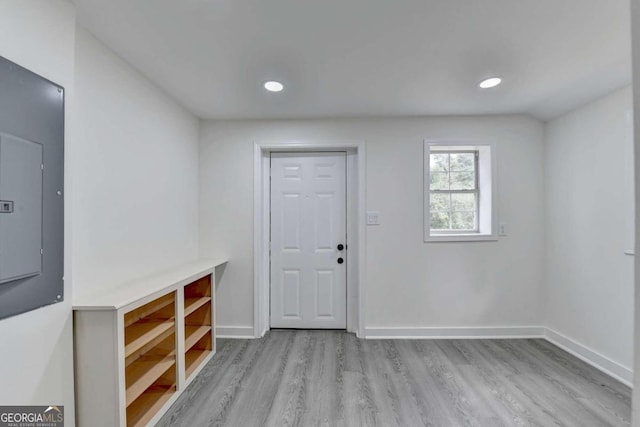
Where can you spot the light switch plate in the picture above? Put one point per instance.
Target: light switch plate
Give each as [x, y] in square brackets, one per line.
[373, 218]
[502, 229]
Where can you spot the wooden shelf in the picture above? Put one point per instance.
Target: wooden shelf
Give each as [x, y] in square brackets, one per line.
[140, 334]
[162, 345]
[142, 410]
[161, 305]
[193, 335]
[199, 288]
[198, 319]
[144, 372]
[157, 353]
[192, 304]
[193, 359]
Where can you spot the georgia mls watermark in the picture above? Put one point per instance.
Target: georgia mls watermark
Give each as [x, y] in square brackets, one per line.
[31, 416]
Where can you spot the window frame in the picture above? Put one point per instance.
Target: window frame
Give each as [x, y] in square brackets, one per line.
[486, 194]
[475, 191]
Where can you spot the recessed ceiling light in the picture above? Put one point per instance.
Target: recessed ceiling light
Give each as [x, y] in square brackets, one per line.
[273, 86]
[489, 83]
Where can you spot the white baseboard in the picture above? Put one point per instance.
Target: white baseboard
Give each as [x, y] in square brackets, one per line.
[593, 358]
[238, 332]
[455, 332]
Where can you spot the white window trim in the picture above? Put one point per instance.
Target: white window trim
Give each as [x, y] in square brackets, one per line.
[492, 225]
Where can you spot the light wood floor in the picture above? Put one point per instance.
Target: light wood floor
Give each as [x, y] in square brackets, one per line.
[331, 378]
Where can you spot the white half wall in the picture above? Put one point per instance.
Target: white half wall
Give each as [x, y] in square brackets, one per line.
[590, 224]
[409, 283]
[36, 354]
[135, 173]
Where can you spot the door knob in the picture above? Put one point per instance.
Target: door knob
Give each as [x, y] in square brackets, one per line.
[340, 247]
[340, 260]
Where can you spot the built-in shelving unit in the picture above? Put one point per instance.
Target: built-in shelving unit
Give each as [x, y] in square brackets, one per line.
[138, 346]
[198, 315]
[150, 357]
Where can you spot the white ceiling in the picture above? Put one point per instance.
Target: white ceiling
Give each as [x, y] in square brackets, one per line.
[346, 58]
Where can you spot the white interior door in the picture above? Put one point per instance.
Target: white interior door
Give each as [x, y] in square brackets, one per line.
[308, 222]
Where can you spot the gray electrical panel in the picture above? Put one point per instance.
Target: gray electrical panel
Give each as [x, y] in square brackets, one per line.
[21, 228]
[31, 190]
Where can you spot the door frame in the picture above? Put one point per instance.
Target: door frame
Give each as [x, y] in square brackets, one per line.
[356, 227]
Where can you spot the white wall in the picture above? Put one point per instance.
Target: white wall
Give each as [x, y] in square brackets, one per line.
[131, 184]
[36, 356]
[590, 205]
[409, 283]
[135, 175]
[635, 39]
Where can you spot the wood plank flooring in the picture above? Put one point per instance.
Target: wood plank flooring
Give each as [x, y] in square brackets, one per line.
[332, 378]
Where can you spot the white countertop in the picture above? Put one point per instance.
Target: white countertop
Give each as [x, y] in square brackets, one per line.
[134, 290]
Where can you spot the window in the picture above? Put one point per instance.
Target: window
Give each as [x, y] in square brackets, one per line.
[459, 191]
[453, 186]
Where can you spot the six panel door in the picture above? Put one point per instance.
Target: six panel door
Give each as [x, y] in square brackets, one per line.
[308, 222]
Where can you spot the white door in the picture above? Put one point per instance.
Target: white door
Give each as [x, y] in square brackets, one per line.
[308, 223]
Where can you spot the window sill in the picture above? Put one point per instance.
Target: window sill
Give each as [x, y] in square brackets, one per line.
[475, 237]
